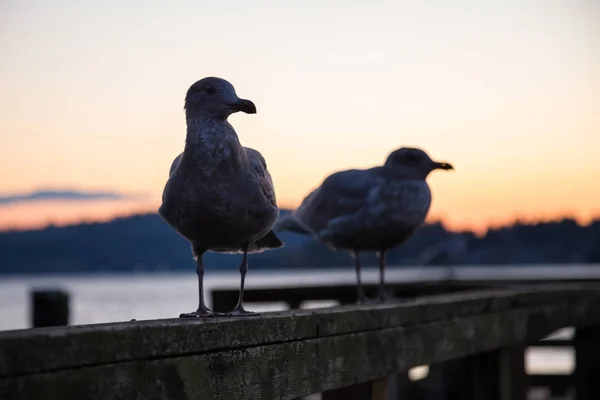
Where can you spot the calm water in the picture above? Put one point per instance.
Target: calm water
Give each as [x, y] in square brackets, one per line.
[111, 298]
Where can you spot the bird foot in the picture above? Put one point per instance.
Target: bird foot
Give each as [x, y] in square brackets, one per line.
[363, 299]
[239, 311]
[200, 313]
[385, 296]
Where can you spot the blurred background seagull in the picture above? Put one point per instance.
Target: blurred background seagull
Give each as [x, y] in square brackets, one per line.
[368, 209]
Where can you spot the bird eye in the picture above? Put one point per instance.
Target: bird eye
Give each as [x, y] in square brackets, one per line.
[210, 90]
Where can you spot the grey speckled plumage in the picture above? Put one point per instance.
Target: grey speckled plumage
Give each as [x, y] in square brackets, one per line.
[368, 209]
[219, 194]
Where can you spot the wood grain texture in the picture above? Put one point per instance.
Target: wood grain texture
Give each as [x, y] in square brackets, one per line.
[280, 355]
[49, 349]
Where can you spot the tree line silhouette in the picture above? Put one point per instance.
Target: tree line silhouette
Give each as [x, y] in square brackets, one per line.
[145, 243]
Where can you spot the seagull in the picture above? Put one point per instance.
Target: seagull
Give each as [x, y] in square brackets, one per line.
[219, 195]
[371, 209]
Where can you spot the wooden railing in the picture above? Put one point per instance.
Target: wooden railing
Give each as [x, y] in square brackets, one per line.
[472, 340]
[555, 386]
[439, 280]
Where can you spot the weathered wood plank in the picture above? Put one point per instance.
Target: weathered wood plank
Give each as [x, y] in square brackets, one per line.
[52, 349]
[289, 369]
[225, 299]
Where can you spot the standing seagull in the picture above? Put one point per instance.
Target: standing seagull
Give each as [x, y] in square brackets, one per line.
[219, 195]
[368, 210]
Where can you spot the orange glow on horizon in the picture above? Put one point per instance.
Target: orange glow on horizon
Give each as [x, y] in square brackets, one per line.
[60, 213]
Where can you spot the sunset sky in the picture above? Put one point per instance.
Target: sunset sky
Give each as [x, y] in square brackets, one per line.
[91, 98]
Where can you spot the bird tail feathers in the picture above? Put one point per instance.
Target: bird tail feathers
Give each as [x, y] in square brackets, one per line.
[289, 223]
[269, 241]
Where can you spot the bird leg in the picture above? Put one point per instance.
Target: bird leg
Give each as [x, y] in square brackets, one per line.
[239, 308]
[383, 293]
[202, 310]
[360, 291]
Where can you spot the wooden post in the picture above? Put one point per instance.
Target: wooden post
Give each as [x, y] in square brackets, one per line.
[513, 379]
[373, 390]
[495, 375]
[294, 304]
[49, 308]
[587, 363]
[401, 387]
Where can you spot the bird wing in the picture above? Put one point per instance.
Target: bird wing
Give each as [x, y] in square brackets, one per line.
[259, 165]
[175, 163]
[341, 194]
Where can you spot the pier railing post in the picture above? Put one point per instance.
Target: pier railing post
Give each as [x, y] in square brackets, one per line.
[513, 379]
[587, 363]
[494, 375]
[49, 308]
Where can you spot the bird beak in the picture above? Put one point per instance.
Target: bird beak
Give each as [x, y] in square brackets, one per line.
[442, 165]
[243, 105]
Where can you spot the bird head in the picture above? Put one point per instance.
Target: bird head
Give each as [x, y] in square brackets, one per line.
[415, 160]
[215, 98]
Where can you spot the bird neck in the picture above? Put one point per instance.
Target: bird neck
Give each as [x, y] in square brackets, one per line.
[211, 138]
